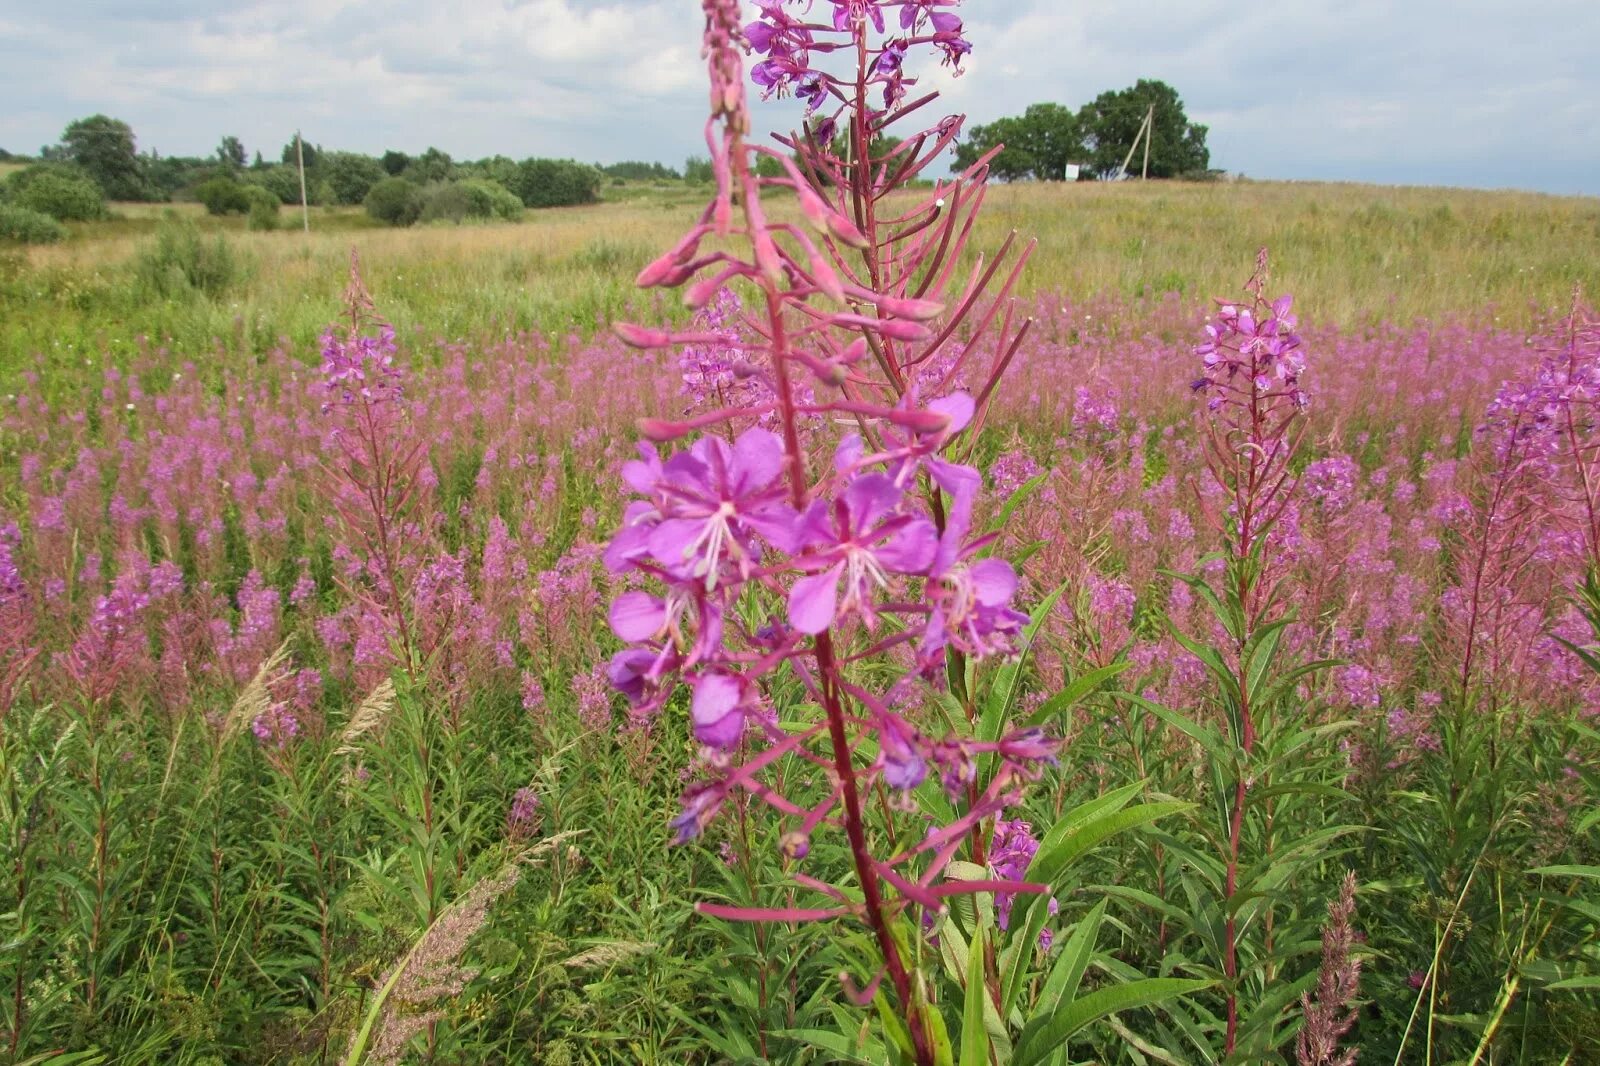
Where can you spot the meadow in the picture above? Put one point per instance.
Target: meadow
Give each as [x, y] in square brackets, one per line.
[314, 745]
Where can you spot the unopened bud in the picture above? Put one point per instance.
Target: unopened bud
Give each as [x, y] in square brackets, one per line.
[767, 258]
[639, 337]
[662, 431]
[663, 273]
[699, 294]
[921, 310]
[827, 280]
[854, 353]
[899, 329]
[826, 219]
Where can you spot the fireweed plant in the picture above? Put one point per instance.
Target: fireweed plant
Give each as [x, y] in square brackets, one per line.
[1261, 755]
[835, 551]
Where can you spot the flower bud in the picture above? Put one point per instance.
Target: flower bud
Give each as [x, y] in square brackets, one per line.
[900, 329]
[920, 310]
[827, 280]
[826, 219]
[662, 431]
[639, 337]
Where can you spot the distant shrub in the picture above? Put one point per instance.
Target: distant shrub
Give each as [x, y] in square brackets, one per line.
[282, 182]
[29, 226]
[180, 261]
[632, 170]
[473, 200]
[349, 175]
[263, 208]
[223, 196]
[443, 201]
[394, 202]
[556, 183]
[63, 193]
[490, 199]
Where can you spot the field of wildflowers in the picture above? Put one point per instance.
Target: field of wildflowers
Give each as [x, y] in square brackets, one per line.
[881, 658]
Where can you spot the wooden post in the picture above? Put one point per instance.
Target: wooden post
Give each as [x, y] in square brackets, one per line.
[1149, 131]
[1144, 132]
[300, 157]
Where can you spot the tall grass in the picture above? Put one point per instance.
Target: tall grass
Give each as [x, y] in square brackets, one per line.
[1371, 254]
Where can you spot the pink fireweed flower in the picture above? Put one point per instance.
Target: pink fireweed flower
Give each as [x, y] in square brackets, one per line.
[714, 500]
[749, 558]
[277, 727]
[718, 708]
[360, 368]
[1247, 347]
[1010, 853]
[860, 540]
[523, 814]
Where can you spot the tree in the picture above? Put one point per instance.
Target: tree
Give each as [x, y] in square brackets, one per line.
[394, 163]
[350, 175]
[1039, 143]
[556, 182]
[431, 165]
[395, 201]
[223, 196]
[1112, 120]
[1012, 163]
[312, 154]
[105, 149]
[231, 153]
[64, 193]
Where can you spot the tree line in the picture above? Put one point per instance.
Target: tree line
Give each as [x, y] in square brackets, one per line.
[98, 160]
[1045, 139]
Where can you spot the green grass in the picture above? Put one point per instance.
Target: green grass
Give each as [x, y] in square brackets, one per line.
[1352, 254]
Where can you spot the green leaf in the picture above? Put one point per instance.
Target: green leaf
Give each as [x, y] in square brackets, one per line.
[1061, 1026]
[1576, 983]
[1016, 959]
[1008, 679]
[1590, 872]
[1208, 738]
[1075, 693]
[1028, 488]
[974, 1037]
[836, 1044]
[1067, 973]
[1049, 864]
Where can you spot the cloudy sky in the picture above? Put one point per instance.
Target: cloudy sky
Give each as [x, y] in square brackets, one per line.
[1459, 92]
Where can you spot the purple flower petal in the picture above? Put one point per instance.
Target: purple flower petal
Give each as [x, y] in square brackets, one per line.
[993, 582]
[637, 616]
[717, 709]
[869, 497]
[911, 548]
[958, 407]
[671, 540]
[903, 765]
[814, 600]
[757, 458]
[848, 453]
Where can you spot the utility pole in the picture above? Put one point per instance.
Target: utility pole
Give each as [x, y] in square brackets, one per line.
[300, 157]
[1145, 129]
[1149, 130]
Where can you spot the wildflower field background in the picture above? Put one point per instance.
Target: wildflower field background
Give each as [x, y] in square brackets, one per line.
[309, 753]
